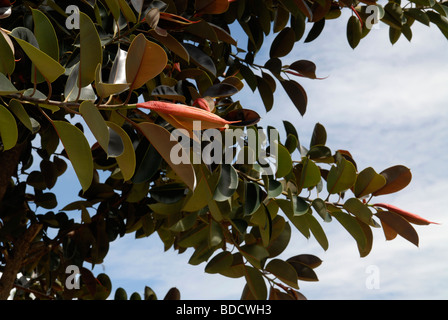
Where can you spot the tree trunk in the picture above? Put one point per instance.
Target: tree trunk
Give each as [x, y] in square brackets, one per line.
[15, 259]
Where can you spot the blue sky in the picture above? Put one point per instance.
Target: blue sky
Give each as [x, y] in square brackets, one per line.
[386, 104]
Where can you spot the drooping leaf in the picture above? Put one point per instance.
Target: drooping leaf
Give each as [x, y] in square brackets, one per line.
[8, 128]
[160, 138]
[201, 59]
[283, 43]
[354, 31]
[255, 283]
[126, 161]
[227, 184]
[400, 225]
[252, 196]
[304, 67]
[308, 259]
[304, 272]
[297, 94]
[352, 226]
[19, 111]
[144, 61]
[95, 122]
[118, 70]
[315, 30]
[78, 151]
[266, 93]
[45, 34]
[284, 161]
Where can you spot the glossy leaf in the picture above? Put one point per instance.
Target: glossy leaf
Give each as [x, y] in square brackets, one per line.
[397, 178]
[19, 111]
[7, 63]
[160, 138]
[310, 174]
[283, 43]
[319, 136]
[304, 67]
[297, 94]
[211, 6]
[308, 259]
[107, 89]
[227, 184]
[321, 209]
[220, 262]
[255, 254]
[78, 151]
[201, 59]
[91, 51]
[352, 226]
[354, 31]
[126, 161]
[284, 161]
[144, 61]
[252, 196]
[118, 70]
[45, 34]
[360, 210]
[127, 11]
[95, 122]
[283, 271]
[255, 283]
[368, 182]
[8, 128]
[47, 66]
[341, 177]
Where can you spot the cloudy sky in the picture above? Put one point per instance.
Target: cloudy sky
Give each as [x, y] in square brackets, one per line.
[387, 105]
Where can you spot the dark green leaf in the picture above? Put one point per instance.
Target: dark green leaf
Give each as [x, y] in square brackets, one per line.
[354, 31]
[283, 43]
[297, 94]
[227, 184]
[316, 30]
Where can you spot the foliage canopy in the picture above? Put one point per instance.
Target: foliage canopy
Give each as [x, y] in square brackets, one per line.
[126, 74]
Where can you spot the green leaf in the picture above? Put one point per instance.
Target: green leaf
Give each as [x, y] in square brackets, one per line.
[220, 262]
[419, 15]
[19, 111]
[7, 63]
[299, 221]
[255, 283]
[354, 31]
[255, 254]
[341, 177]
[91, 50]
[317, 231]
[304, 272]
[360, 210]
[310, 175]
[283, 43]
[107, 89]
[126, 161]
[47, 66]
[160, 138]
[8, 128]
[45, 34]
[227, 184]
[307, 259]
[440, 21]
[127, 11]
[252, 196]
[284, 161]
[275, 188]
[397, 178]
[319, 136]
[95, 122]
[120, 294]
[352, 226]
[321, 209]
[78, 151]
[144, 61]
[280, 236]
[315, 30]
[368, 182]
[284, 271]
